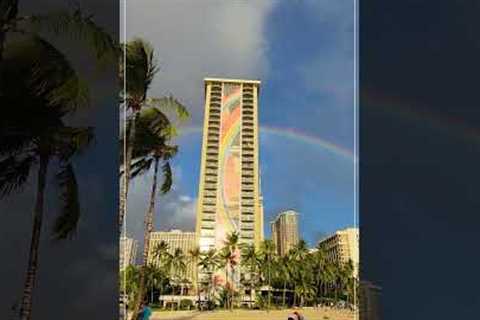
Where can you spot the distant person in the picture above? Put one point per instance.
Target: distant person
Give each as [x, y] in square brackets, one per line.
[146, 311]
[298, 314]
[292, 316]
[141, 311]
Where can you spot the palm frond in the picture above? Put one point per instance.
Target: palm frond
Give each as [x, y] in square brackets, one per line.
[66, 222]
[69, 141]
[13, 140]
[140, 167]
[14, 173]
[79, 26]
[171, 104]
[167, 177]
[141, 67]
[53, 77]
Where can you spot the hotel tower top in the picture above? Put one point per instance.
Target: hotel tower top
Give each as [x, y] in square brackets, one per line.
[229, 194]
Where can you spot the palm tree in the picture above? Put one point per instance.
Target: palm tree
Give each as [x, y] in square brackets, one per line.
[130, 276]
[33, 134]
[76, 24]
[267, 252]
[319, 261]
[209, 263]
[232, 256]
[195, 255]
[251, 260]
[179, 267]
[151, 149]
[140, 69]
[284, 272]
[226, 257]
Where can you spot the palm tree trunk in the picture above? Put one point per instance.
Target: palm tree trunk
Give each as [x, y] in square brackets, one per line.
[151, 294]
[2, 41]
[126, 176]
[226, 287]
[198, 284]
[269, 288]
[146, 241]
[284, 292]
[26, 307]
[295, 295]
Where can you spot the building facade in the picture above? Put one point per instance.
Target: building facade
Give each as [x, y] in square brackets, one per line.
[175, 239]
[229, 197]
[128, 252]
[343, 246]
[285, 231]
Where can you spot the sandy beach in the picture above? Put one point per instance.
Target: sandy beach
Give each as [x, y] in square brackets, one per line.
[310, 314]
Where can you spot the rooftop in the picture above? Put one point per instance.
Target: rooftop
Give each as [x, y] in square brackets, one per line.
[232, 80]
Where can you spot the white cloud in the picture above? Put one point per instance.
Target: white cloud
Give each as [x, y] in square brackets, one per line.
[195, 39]
[185, 198]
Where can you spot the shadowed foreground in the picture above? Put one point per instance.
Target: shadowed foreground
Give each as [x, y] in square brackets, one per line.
[318, 314]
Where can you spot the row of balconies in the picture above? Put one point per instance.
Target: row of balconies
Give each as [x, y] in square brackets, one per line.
[246, 227]
[208, 209]
[209, 194]
[215, 98]
[247, 218]
[212, 179]
[209, 218]
[211, 172]
[248, 165]
[247, 235]
[247, 188]
[208, 224]
[207, 233]
[212, 147]
[211, 201]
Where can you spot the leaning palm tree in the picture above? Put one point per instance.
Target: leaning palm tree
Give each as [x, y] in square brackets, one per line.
[137, 72]
[194, 256]
[151, 150]
[41, 90]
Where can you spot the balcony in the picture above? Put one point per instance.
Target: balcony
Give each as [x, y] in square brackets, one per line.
[209, 201]
[247, 227]
[208, 209]
[247, 218]
[210, 194]
[208, 218]
[247, 234]
[210, 179]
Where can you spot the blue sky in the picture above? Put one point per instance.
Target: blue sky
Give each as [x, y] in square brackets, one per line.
[302, 51]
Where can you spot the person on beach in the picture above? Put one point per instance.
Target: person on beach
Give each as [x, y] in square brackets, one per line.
[298, 314]
[146, 312]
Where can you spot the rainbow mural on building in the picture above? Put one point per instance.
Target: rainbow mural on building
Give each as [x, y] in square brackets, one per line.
[228, 214]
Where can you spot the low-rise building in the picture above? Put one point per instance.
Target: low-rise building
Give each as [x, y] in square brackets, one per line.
[343, 246]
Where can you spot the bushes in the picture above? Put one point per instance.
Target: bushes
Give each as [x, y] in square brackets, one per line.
[186, 304]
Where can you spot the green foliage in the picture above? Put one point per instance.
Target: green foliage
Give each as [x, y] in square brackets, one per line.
[186, 304]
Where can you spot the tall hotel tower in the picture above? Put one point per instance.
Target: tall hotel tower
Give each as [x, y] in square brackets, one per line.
[229, 197]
